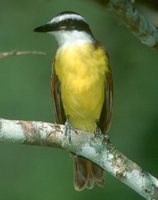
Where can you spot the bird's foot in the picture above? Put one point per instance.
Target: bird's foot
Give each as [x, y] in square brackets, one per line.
[97, 131]
[99, 135]
[68, 129]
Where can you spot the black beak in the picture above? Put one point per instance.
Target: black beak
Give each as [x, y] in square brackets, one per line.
[46, 28]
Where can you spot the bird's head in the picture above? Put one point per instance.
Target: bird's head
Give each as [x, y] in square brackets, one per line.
[68, 28]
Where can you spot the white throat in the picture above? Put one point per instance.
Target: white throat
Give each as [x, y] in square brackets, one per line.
[72, 37]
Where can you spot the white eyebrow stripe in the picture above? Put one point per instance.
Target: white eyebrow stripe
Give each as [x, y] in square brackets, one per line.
[67, 16]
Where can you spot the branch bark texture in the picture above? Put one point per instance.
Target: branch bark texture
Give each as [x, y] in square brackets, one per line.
[145, 31]
[96, 148]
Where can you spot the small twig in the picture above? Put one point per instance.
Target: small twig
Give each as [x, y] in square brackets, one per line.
[20, 53]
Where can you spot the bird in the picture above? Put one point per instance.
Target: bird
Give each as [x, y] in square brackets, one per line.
[81, 85]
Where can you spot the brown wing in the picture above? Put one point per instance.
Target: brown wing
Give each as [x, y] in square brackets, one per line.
[56, 93]
[106, 113]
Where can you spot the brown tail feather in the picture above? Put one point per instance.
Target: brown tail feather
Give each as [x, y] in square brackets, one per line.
[86, 173]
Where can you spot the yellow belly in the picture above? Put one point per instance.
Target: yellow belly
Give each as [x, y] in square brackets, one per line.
[81, 71]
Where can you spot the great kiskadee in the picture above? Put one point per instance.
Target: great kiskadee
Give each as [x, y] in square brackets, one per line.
[81, 86]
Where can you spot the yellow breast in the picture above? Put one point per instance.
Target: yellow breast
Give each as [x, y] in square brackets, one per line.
[81, 70]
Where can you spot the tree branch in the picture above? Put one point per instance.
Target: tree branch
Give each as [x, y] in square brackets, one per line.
[96, 148]
[20, 53]
[145, 31]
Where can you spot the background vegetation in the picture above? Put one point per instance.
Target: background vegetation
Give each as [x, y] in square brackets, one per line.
[32, 173]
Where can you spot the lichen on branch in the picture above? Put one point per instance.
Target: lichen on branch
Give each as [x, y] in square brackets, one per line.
[96, 148]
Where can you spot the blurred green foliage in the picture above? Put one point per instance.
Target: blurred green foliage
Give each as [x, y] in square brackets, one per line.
[38, 173]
